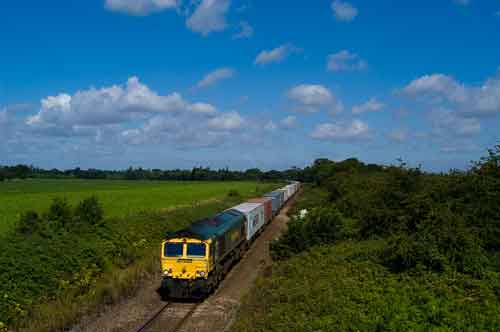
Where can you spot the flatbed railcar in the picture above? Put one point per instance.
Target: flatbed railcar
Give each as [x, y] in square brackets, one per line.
[194, 260]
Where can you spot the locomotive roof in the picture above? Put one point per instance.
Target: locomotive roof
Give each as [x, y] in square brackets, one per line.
[209, 227]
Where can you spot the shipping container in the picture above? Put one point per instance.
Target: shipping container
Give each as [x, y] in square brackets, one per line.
[285, 193]
[268, 206]
[254, 213]
[278, 198]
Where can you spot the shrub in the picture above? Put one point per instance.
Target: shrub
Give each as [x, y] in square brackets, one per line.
[28, 223]
[89, 211]
[321, 226]
[60, 213]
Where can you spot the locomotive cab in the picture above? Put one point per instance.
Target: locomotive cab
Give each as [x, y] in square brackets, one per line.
[186, 258]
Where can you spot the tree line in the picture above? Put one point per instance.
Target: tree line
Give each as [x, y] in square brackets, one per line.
[131, 173]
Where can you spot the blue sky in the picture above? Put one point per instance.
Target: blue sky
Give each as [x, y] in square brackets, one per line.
[248, 83]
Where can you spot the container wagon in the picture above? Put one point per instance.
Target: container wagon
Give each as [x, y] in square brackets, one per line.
[277, 200]
[268, 207]
[254, 213]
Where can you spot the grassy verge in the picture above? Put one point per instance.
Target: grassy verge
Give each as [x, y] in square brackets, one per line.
[50, 278]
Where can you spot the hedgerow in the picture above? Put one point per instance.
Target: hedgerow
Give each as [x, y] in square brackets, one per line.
[387, 249]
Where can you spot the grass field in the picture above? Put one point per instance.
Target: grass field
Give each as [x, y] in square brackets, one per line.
[119, 198]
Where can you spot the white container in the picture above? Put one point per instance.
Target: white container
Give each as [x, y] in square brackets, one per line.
[285, 191]
[254, 213]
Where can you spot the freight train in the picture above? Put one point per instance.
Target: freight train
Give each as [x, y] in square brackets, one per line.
[194, 260]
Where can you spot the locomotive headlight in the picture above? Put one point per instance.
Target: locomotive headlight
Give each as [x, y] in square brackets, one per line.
[167, 271]
[200, 273]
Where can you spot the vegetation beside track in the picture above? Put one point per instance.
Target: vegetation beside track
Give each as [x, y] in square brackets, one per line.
[69, 260]
[386, 249]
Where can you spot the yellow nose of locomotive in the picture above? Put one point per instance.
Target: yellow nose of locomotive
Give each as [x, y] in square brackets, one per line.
[186, 258]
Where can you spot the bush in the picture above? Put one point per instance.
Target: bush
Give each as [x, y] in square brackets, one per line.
[89, 211]
[60, 214]
[321, 226]
[28, 223]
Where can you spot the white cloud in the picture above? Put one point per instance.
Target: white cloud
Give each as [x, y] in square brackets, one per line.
[344, 11]
[275, 55]
[140, 7]
[447, 123]
[372, 105]
[311, 98]
[108, 105]
[459, 147]
[469, 101]
[245, 32]
[341, 131]
[215, 76]
[436, 87]
[311, 95]
[345, 61]
[226, 121]
[209, 16]
[202, 108]
[289, 122]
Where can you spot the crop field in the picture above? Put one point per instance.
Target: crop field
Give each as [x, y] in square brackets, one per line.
[119, 198]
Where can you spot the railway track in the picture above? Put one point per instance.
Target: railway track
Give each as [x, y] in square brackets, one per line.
[162, 321]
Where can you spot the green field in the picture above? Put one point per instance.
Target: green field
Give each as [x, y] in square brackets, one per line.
[119, 198]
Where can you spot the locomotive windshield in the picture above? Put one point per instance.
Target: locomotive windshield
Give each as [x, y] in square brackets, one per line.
[173, 250]
[196, 249]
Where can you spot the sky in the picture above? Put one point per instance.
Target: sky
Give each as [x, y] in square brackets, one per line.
[248, 83]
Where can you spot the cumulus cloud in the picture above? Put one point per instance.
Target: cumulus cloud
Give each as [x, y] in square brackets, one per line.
[311, 98]
[209, 16]
[226, 121]
[246, 31]
[344, 11]
[275, 55]
[202, 108]
[447, 123]
[471, 101]
[436, 87]
[372, 105]
[289, 122]
[311, 95]
[63, 113]
[215, 76]
[354, 130]
[345, 61]
[140, 7]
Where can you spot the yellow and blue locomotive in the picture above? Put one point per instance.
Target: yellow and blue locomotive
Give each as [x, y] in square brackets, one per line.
[195, 259]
